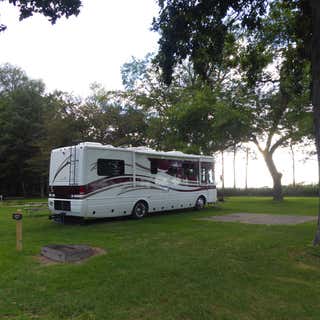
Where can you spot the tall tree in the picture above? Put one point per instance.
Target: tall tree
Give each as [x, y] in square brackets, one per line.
[278, 124]
[204, 122]
[144, 88]
[111, 118]
[21, 112]
[197, 29]
[314, 34]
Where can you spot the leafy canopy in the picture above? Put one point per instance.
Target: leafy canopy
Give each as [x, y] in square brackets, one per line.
[197, 29]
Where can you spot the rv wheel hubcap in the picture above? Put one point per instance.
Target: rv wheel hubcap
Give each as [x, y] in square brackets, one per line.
[200, 203]
[140, 210]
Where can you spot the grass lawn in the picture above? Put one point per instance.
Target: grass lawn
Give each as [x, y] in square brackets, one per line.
[167, 266]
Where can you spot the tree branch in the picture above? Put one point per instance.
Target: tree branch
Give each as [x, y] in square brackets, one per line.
[270, 136]
[256, 142]
[278, 143]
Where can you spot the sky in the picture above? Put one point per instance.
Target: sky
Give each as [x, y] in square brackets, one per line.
[78, 51]
[92, 47]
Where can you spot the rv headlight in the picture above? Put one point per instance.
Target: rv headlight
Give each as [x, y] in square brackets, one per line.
[50, 203]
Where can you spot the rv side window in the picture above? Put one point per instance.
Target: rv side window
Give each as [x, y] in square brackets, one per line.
[203, 174]
[175, 168]
[154, 166]
[190, 171]
[110, 168]
[173, 171]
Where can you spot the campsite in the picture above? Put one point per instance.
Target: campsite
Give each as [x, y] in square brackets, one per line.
[160, 159]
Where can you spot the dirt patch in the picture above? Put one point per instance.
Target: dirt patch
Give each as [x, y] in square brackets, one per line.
[47, 262]
[258, 218]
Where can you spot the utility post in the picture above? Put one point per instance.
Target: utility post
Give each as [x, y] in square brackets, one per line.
[18, 217]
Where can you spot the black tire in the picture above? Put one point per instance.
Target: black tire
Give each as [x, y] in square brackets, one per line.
[140, 210]
[200, 203]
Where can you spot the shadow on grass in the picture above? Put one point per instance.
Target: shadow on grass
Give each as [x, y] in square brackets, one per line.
[70, 220]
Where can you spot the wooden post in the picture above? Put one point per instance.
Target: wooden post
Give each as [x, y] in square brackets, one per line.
[18, 217]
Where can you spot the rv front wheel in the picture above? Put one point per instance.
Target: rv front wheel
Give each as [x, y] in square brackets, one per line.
[200, 203]
[140, 210]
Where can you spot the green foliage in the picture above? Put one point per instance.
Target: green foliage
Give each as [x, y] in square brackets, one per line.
[266, 55]
[198, 30]
[32, 123]
[111, 119]
[255, 44]
[135, 71]
[202, 122]
[190, 115]
[237, 70]
[21, 113]
[144, 88]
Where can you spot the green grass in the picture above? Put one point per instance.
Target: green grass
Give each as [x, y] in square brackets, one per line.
[167, 267]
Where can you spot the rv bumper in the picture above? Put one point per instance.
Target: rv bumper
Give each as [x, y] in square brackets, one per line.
[68, 207]
[57, 217]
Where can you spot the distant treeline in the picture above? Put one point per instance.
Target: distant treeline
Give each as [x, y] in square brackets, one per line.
[310, 190]
[33, 122]
[191, 114]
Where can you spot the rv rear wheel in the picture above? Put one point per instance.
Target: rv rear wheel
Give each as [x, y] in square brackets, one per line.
[140, 210]
[200, 203]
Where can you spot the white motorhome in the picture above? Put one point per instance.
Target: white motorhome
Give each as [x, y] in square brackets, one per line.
[92, 180]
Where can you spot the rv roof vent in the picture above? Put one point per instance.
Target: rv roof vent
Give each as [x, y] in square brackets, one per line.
[178, 153]
[91, 143]
[142, 149]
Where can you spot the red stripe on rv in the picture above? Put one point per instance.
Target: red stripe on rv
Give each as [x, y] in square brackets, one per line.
[95, 186]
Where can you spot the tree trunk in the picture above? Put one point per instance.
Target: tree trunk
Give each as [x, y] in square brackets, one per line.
[315, 68]
[276, 176]
[42, 191]
[222, 169]
[23, 187]
[247, 165]
[293, 166]
[234, 167]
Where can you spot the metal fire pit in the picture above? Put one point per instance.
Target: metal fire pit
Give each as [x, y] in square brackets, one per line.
[66, 253]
